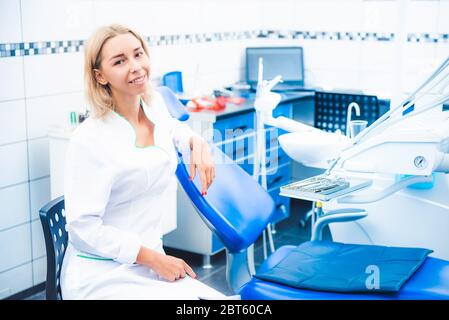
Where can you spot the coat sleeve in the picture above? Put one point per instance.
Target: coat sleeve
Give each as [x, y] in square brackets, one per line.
[87, 186]
[181, 135]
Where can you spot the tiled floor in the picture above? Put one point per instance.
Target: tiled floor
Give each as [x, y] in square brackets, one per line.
[288, 231]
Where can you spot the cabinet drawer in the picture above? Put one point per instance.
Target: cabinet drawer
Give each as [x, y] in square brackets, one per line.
[271, 137]
[246, 164]
[230, 127]
[277, 162]
[278, 176]
[276, 157]
[239, 147]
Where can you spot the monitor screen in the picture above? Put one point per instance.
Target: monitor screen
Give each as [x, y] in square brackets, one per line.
[286, 61]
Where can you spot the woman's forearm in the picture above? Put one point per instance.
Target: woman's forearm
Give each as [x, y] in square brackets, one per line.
[146, 256]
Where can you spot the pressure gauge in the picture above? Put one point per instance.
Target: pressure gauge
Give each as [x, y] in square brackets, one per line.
[420, 162]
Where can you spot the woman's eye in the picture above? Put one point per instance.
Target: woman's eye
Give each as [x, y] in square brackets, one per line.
[139, 54]
[121, 61]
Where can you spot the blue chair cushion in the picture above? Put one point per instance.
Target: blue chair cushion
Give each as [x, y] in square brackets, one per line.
[334, 266]
[430, 281]
[236, 207]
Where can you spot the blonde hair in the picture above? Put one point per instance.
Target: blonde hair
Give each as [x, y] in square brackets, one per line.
[100, 96]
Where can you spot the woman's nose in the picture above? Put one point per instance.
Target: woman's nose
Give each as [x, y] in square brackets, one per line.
[135, 66]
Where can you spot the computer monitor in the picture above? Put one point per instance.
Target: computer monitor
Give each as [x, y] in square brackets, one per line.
[286, 61]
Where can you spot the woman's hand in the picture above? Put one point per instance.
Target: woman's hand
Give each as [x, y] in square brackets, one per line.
[168, 267]
[201, 160]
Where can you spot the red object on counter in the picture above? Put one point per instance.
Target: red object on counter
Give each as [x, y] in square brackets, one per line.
[204, 103]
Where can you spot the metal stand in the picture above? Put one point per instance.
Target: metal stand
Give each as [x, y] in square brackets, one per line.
[206, 262]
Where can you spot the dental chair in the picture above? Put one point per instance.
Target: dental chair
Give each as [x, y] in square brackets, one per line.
[237, 209]
[238, 217]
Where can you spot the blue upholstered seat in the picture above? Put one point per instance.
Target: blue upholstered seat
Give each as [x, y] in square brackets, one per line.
[431, 281]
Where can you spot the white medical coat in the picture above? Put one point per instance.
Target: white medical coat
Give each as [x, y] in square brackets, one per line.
[115, 197]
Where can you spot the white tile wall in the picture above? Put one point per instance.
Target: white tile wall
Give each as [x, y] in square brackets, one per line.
[13, 158]
[441, 52]
[50, 74]
[52, 110]
[419, 57]
[230, 15]
[15, 206]
[375, 56]
[421, 16]
[64, 20]
[412, 79]
[16, 247]
[328, 15]
[39, 270]
[39, 195]
[16, 280]
[380, 16]
[248, 14]
[38, 240]
[10, 26]
[378, 83]
[12, 121]
[320, 54]
[38, 150]
[150, 17]
[11, 80]
[443, 13]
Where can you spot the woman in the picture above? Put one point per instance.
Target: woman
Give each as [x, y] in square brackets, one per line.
[119, 180]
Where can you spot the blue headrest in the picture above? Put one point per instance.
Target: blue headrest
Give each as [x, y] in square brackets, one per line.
[175, 107]
[236, 207]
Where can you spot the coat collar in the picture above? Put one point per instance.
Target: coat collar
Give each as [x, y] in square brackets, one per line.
[120, 125]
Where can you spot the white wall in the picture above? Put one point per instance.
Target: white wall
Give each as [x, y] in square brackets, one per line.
[37, 90]
[385, 68]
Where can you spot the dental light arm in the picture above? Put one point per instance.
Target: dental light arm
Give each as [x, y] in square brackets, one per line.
[439, 76]
[431, 94]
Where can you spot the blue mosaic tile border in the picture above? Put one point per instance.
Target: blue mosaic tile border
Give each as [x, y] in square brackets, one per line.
[324, 35]
[43, 47]
[52, 47]
[428, 37]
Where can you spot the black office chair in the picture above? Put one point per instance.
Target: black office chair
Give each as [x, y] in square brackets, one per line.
[54, 225]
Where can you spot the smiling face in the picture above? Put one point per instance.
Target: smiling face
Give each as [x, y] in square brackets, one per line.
[125, 66]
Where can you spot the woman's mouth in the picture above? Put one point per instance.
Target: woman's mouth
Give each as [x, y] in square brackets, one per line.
[139, 80]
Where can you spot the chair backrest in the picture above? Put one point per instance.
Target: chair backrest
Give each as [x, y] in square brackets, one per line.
[175, 107]
[236, 208]
[53, 221]
[173, 80]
